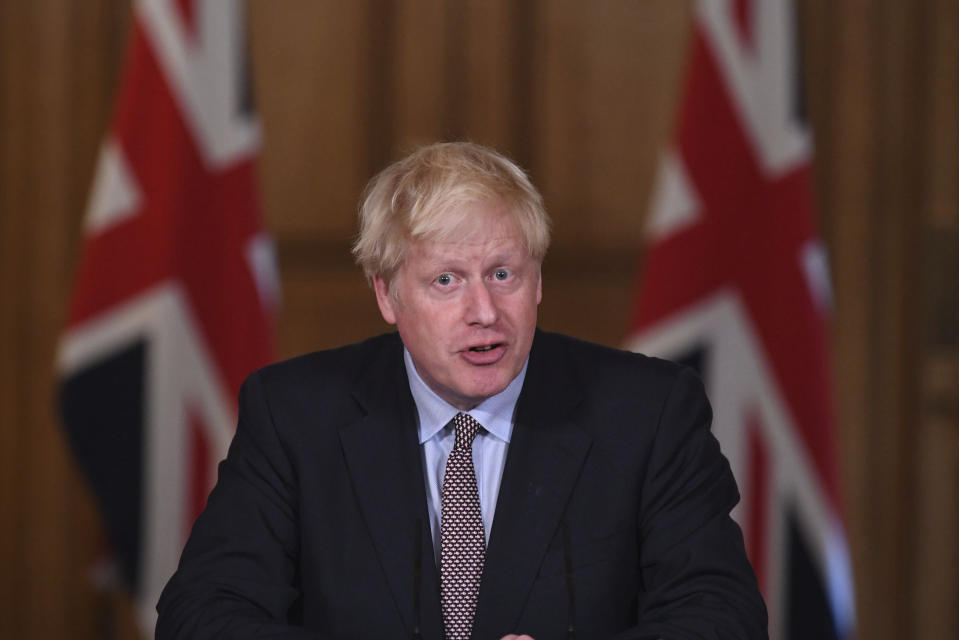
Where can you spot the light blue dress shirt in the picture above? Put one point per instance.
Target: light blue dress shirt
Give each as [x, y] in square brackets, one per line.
[436, 436]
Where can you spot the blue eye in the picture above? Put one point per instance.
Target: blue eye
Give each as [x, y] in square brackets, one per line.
[444, 279]
[501, 274]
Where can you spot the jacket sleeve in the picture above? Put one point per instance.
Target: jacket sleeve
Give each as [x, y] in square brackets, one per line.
[236, 576]
[697, 580]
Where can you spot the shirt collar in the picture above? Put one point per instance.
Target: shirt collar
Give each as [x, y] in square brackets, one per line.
[495, 413]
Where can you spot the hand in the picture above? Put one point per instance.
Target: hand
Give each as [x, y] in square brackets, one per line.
[513, 636]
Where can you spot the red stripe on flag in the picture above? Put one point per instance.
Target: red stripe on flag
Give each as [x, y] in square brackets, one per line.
[188, 12]
[743, 11]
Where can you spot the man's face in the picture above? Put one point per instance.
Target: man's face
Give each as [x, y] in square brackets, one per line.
[466, 308]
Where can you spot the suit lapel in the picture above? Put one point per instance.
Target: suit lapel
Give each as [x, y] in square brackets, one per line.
[384, 464]
[546, 453]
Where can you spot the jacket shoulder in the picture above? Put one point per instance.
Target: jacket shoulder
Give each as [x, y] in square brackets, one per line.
[345, 358]
[330, 372]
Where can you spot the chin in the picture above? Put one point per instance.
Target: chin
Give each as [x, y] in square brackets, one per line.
[484, 391]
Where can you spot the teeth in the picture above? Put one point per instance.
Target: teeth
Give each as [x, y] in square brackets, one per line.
[486, 348]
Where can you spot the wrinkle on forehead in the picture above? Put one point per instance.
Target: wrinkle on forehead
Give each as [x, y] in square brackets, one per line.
[479, 245]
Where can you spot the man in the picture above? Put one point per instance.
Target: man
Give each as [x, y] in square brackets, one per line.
[471, 476]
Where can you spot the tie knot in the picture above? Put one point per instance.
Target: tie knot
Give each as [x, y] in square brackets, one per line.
[466, 429]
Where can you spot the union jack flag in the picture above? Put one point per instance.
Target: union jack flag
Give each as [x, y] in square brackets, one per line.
[735, 283]
[176, 286]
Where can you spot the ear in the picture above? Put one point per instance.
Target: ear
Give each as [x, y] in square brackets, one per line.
[384, 300]
[539, 286]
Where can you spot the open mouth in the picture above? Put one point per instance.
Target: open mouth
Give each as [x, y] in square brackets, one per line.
[484, 348]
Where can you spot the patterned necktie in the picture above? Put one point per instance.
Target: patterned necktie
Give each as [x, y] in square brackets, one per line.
[462, 542]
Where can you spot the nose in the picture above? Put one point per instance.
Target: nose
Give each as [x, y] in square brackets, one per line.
[481, 306]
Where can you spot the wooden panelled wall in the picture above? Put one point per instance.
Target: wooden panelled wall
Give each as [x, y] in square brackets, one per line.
[582, 94]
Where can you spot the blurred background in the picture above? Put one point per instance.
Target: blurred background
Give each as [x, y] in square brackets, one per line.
[582, 94]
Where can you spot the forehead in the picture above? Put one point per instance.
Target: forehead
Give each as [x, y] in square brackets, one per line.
[479, 228]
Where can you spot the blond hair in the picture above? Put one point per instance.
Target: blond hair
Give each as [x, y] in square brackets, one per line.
[426, 196]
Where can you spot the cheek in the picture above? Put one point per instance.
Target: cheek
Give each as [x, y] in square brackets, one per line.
[430, 325]
[526, 308]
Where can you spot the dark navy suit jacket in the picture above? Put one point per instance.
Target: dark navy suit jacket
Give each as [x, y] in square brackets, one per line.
[613, 511]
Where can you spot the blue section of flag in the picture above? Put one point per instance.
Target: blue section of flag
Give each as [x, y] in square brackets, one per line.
[103, 412]
[808, 614]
